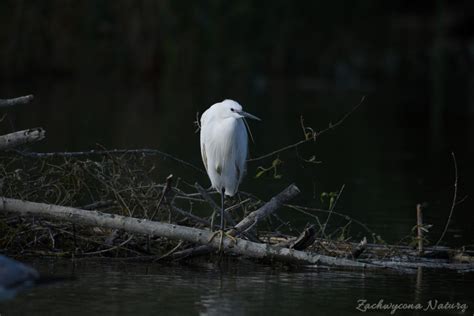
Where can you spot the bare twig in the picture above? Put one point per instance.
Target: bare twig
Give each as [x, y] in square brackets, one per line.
[453, 204]
[167, 188]
[206, 197]
[109, 249]
[191, 216]
[16, 101]
[306, 210]
[99, 204]
[419, 228]
[331, 209]
[311, 137]
[213, 204]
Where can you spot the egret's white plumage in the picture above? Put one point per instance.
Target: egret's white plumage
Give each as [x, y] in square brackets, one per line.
[224, 144]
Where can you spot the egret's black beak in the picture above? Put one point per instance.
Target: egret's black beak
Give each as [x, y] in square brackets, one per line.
[248, 115]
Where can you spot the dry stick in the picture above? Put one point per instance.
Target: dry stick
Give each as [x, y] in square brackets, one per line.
[331, 209]
[248, 222]
[16, 101]
[109, 249]
[419, 228]
[99, 204]
[170, 231]
[27, 136]
[455, 194]
[305, 210]
[313, 136]
[191, 216]
[167, 188]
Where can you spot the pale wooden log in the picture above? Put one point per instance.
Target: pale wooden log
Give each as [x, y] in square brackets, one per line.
[16, 101]
[15, 139]
[171, 231]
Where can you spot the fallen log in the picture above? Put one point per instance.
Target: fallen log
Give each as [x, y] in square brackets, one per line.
[15, 139]
[171, 231]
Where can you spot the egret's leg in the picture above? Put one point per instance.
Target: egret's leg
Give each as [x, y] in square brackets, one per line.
[222, 231]
[222, 219]
[222, 209]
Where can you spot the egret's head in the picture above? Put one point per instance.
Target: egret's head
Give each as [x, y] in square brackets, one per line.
[230, 108]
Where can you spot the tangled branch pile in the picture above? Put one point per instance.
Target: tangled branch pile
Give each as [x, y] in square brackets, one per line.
[122, 184]
[117, 183]
[142, 218]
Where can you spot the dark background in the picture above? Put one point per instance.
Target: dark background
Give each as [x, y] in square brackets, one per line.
[133, 74]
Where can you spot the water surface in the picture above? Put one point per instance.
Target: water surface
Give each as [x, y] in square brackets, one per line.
[236, 288]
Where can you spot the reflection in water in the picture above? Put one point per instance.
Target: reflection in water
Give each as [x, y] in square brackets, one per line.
[235, 288]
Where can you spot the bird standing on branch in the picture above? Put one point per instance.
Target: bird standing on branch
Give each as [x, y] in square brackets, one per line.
[224, 143]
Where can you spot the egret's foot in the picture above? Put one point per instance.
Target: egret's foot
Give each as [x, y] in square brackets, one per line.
[222, 232]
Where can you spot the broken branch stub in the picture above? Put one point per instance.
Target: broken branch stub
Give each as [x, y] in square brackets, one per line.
[19, 138]
[16, 101]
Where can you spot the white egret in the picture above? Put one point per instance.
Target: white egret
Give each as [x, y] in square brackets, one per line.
[224, 144]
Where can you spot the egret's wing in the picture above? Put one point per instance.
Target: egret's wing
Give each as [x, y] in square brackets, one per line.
[203, 155]
[203, 133]
[240, 149]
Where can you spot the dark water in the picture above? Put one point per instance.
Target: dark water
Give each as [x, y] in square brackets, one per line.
[235, 289]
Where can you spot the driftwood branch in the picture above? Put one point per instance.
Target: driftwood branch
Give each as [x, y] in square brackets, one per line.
[15, 139]
[419, 228]
[248, 222]
[268, 208]
[16, 101]
[171, 231]
[455, 196]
